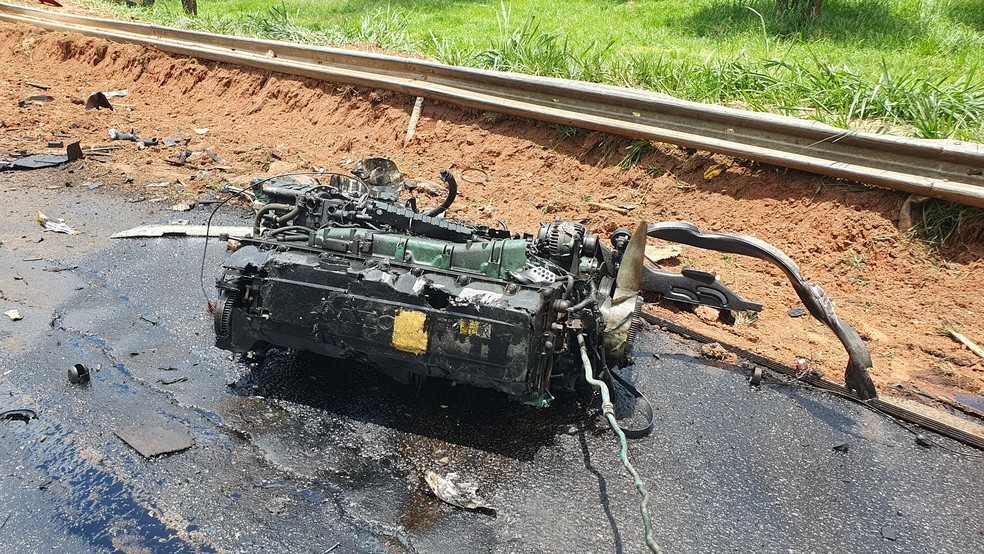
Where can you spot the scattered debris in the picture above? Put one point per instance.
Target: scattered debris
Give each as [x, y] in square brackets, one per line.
[707, 313]
[153, 231]
[56, 225]
[183, 206]
[98, 100]
[14, 315]
[37, 85]
[119, 135]
[152, 441]
[21, 414]
[56, 144]
[93, 185]
[149, 319]
[798, 311]
[888, 533]
[55, 269]
[966, 342]
[78, 374]
[215, 158]
[101, 149]
[972, 401]
[461, 494]
[802, 364]
[278, 505]
[844, 447]
[170, 142]
[414, 117]
[172, 381]
[202, 131]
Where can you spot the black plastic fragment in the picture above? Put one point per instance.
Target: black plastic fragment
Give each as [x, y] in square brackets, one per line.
[798, 311]
[22, 414]
[98, 100]
[78, 374]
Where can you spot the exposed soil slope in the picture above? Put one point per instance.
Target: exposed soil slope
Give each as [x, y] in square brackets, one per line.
[896, 292]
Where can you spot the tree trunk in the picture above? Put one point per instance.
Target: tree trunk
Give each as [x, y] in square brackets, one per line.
[190, 6]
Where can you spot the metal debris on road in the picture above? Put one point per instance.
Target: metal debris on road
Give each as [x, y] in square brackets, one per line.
[152, 441]
[98, 100]
[14, 315]
[21, 414]
[155, 231]
[656, 254]
[78, 374]
[172, 381]
[39, 161]
[56, 225]
[456, 493]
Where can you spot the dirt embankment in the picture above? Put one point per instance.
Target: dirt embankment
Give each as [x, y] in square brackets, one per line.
[899, 294]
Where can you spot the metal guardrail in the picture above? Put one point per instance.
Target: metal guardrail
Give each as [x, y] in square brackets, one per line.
[946, 169]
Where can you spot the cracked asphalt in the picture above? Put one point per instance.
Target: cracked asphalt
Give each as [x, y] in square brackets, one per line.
[297, 453]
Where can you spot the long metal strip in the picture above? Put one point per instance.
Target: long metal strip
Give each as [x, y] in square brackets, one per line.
[946, 169]
[894, 410]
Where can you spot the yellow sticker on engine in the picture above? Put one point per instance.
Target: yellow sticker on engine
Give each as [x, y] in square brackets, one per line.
[409, 331]
[467, 327]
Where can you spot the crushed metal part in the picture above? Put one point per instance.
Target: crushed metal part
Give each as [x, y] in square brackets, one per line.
[152, 441]
[98, 100]
[13, 314]
[455, 492]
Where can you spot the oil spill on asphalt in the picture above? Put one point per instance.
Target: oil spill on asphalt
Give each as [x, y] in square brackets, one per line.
[93, 504]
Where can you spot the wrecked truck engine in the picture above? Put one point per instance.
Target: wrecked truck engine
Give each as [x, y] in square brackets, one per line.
[341, 267]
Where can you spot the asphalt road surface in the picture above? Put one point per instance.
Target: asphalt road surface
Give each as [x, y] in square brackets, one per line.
[296, 453]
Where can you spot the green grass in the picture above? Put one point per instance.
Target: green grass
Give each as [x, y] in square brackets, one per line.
[906, 67]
